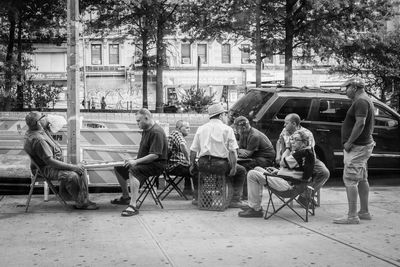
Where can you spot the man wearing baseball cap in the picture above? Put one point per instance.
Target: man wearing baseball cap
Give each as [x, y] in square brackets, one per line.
[216, 146]
[358, 144]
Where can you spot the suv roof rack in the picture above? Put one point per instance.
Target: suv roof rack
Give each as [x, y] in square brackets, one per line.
[307, 89]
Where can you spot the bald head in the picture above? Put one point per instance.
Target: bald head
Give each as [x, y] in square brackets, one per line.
[32, 120]
[292, 122]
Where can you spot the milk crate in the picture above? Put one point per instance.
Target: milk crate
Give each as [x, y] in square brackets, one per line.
[213, 192]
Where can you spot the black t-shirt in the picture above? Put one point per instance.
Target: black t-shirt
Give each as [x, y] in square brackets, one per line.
[259, 143]
[362, 107]
[154, 141]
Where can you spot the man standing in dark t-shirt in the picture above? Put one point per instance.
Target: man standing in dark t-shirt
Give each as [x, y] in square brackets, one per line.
[150, 161]
[358, 144]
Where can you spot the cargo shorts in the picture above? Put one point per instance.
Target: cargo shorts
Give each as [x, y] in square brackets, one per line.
[355, 164]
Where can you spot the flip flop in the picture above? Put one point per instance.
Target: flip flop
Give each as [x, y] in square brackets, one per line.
[121, 201]
[128, 213]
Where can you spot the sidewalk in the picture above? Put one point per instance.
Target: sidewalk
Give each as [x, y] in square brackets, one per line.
[181, 235]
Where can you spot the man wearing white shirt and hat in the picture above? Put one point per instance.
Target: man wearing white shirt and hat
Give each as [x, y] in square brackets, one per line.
[216, 146]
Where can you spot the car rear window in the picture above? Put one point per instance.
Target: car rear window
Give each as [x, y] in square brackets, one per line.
[250, 104]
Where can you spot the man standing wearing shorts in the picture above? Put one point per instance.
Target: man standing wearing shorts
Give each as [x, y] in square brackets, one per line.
[358, 144]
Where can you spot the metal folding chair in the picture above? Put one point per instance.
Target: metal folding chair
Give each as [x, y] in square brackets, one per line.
[37, 176]
[172, 182]
[287, 197]
[148, 187]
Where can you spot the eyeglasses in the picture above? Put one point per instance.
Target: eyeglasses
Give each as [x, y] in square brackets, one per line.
[43, 115]
[296, 140]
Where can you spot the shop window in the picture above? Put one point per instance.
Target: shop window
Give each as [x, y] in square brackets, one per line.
[96, 54]
[113, 52]
[185, 51]
[226, 53]
[202, 52]
[245, 53]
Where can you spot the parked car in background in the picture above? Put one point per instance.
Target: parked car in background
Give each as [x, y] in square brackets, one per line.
[322, 112]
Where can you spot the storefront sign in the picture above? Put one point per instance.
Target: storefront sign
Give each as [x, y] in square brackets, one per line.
[45, 76]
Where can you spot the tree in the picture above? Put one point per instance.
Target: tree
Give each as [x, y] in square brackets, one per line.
[196, 99]
[148, 23]
[26, 22]
[376, 58]
[298, 29]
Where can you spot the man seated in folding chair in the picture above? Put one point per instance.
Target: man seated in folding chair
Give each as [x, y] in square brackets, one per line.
[320, 173]
[298, 164]
[178, 161]
[151, 161]
[47, 154]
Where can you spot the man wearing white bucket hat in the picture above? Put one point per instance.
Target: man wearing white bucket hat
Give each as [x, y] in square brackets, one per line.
[215, 145]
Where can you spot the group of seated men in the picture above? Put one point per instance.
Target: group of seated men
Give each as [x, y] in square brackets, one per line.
[215, 148]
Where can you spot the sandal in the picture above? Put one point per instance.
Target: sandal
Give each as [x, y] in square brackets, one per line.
[128, 213]
[121, 201]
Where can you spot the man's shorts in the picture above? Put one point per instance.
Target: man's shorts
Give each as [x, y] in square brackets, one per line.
[140, 171]
[355, 164]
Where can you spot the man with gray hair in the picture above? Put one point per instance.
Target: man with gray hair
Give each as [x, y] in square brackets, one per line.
[47, 154]
[151, 160]
[178, 154]
[358, 144]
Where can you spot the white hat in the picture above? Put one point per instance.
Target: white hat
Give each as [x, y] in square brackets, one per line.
[215, 109]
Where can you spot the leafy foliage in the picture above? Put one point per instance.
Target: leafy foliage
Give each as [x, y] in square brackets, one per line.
[196, 99]
[376, 58]
[40, 96]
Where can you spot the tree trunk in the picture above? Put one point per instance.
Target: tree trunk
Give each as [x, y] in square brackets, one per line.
[145, 68]
[20, 73]
[9, 60]
[289, 31]
[258, 44]
[160, 64]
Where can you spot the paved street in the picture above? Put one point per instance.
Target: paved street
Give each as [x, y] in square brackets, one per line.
[181, 235]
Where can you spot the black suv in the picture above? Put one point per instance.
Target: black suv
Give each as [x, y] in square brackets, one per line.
[322, 112]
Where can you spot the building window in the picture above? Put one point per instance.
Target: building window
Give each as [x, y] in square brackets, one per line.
[96, 54]
[113, 53]
[202, 52]
[281, 59]
[185, 51]
[269, 59]
[245, 53]
[226, 53]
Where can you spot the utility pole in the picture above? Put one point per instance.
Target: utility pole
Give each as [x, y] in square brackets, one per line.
[73, 114]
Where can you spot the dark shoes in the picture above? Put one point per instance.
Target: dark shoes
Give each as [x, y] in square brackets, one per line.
[130, 211]
[188, 192]
[121, 201]
[88, 206]
[304, 201]
[251, 213]
[236, 205]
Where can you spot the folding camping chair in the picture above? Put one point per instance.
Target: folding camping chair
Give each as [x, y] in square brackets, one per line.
[172, 181]
[39, 176]
[287, 197]
[148, 187]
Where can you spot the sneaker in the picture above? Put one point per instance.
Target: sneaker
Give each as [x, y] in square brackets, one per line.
[195, 202]
[251, 213]
[347, 220]
[364, 216]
